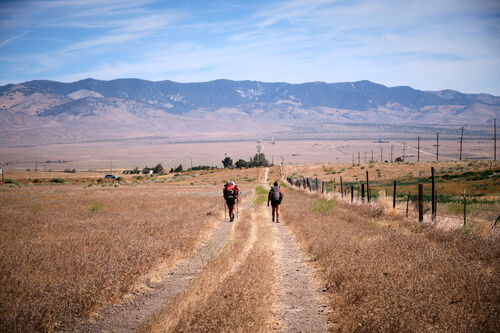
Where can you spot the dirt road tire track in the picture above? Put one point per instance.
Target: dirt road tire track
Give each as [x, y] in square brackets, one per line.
[129, 315]
[300, 304]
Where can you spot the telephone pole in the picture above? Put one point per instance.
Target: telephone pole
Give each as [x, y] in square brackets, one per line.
[418, 149]
[404, 150]
[381, 155]
[392, 146]
[461, 141]
[437, 146]
[495, 140]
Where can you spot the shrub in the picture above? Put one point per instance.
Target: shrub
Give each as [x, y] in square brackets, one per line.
[96, 206]
[10, 181]
[57, 180]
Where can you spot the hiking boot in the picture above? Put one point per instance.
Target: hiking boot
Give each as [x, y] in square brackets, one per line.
[231, 219]
[278, 220]
[273, 218]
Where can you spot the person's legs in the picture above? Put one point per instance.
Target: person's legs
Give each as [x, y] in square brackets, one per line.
[277, 213]
[274, 209]
[230, 208]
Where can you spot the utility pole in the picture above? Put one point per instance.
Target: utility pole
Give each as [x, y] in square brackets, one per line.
[437, 146]
[365, 156]
[392, 146]
[495, 140]
[191, 163]
[461, 141]
[372, 156]
[359, 161]
[418, 149]
[404, 150]
[36, 164]
[381, 155]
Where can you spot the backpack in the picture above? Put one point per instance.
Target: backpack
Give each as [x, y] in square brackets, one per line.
[275, 194]
[230, 192]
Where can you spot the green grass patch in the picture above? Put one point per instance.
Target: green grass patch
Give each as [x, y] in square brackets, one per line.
[96, 206]
[323, 206]
[261, 190]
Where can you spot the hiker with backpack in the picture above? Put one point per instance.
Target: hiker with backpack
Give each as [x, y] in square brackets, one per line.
[230, 193]
[275, 196]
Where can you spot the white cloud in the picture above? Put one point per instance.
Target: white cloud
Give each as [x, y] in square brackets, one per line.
[8, 40]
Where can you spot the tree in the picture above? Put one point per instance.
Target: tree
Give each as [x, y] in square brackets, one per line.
[227, 162]
[258, 160]
[179, 168]
[158, 169]
[241, 164]
[136, 171]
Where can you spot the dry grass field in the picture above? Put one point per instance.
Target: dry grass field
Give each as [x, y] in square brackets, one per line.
[66, 250]
[389, 275]
[480, 180]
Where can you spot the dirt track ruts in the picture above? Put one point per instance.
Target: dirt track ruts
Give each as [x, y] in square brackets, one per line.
[134, 310]
[300, 305]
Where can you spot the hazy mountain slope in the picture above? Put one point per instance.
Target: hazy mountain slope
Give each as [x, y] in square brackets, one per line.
[51, 112]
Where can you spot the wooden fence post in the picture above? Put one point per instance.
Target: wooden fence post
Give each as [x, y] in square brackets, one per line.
[367, 188]
[394, 196]
[433, 205]
[420, 203]
[407, 202]
[363, 192]
[341, 188]
[352, 193]
[465, 208]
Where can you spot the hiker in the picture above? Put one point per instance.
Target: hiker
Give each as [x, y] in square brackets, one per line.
[275, 196]
[230, 193]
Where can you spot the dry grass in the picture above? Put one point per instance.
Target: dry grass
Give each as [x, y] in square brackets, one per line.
[67, 250]
[387, 171]
[232, 293]
[387, 277]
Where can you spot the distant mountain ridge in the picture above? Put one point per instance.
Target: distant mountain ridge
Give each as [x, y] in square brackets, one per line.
[94, 108]
[361, 95]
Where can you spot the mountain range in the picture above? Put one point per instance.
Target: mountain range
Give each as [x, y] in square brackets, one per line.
[46, 112]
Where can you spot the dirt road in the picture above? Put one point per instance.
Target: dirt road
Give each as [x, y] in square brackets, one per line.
[218, 286]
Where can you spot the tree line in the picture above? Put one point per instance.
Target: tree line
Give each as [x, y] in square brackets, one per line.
[259, 160]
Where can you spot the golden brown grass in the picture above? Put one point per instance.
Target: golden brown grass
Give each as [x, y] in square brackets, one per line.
[67, 250]
[384, 277]
[232, 293]
[387, 171]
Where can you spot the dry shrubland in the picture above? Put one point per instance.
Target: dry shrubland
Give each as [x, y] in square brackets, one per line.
[387, 275]
[232, 293]
[67, 250]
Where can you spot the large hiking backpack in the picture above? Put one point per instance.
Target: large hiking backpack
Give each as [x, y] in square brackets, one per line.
[275, 193]
[230, 192]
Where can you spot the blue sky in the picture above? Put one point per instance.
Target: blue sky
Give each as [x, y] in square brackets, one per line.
[429, 45]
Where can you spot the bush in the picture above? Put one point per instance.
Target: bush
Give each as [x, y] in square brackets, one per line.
[57, 180]
[119, 178]
[96, 206]
[10, 181]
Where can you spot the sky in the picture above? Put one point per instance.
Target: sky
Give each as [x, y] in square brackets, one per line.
[425, 44]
